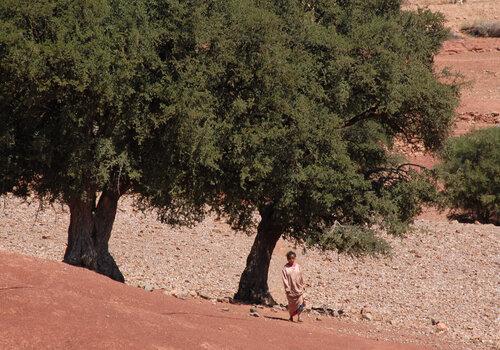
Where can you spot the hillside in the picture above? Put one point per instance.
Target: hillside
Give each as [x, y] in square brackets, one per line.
[476, 59]
[43, 304]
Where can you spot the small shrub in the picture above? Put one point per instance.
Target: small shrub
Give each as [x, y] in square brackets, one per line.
[483, 29]
[471, 175]
[353, 240]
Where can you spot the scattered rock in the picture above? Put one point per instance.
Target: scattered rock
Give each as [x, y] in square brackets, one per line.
[441, 327]
[254, 314]
[45, 237]
[206, 296]
[318, 319]
[409, 297]
[193, 293]
[225, 309]
[180, 295]
[148, 287]
[366, 314]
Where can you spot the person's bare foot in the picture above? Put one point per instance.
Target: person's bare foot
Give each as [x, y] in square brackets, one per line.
[290, 319]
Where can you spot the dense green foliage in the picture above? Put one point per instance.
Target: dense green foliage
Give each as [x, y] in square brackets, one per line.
[308, 98]
[85, 87]
[471, 175]
[92, 94]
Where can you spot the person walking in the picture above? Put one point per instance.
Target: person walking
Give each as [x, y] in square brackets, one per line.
[294, 286]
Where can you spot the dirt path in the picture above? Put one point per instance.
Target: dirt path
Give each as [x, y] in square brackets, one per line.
[46, 304]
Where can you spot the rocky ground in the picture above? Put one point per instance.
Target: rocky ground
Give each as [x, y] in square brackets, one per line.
[442, 271]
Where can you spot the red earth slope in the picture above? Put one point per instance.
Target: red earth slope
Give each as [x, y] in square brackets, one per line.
[50, 305]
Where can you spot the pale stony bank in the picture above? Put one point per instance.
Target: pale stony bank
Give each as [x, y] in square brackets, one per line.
[445, 271]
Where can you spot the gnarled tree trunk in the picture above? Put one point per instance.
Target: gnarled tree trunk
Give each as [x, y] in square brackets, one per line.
[80, 249]
[89, 233]
[253, 286]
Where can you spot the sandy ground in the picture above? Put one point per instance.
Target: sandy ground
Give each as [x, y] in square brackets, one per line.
[43, 303]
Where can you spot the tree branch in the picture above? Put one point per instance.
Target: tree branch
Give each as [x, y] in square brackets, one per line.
[399, 167]
[362, 116]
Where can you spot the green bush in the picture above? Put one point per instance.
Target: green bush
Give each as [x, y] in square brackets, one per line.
[471, 175]
[353, 240]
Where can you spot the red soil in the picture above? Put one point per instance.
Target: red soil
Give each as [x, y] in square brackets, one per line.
[478, 61]
[45, 304]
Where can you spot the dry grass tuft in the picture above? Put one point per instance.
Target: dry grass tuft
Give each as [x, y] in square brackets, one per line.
[432, 2]
[483, 29]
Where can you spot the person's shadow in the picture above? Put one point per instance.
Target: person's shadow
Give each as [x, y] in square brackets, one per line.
[277, 318]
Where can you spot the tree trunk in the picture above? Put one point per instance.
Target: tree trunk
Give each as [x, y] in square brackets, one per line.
[253, 286]
[103, 225]
[89, 233]
[80, 250]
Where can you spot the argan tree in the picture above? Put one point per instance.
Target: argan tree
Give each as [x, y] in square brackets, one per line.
[92, 94]
[309, 97]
